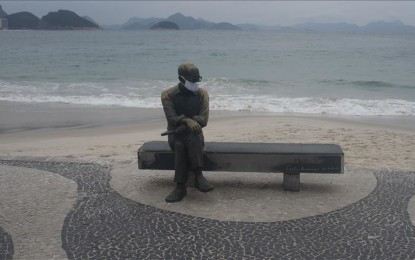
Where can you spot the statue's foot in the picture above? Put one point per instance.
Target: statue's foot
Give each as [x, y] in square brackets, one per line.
[202, 184]
[176, 195]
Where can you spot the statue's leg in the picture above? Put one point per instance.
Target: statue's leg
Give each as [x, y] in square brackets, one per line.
[181, 162]
[180, 172]
[194, 145]
[177, 144]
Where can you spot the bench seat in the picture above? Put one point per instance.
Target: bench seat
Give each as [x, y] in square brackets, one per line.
[290, 159]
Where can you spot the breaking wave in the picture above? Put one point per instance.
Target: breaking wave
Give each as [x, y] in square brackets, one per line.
[225, 94]
[386, 107]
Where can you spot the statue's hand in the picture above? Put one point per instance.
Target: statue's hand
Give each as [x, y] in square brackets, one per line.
[193, 125]
[181, 129]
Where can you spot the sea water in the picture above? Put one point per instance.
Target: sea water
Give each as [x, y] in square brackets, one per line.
[311, 73]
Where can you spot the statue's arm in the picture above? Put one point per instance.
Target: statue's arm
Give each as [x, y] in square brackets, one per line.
[169, 109]
[203, 116]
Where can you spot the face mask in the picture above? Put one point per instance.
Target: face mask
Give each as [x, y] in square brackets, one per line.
[190, 85]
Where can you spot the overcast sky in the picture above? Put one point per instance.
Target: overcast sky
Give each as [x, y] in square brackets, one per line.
[257, 12]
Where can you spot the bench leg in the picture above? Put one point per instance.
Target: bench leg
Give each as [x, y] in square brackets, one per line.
[291, 181]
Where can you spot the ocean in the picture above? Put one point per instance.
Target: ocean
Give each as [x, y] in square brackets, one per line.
[306, 73]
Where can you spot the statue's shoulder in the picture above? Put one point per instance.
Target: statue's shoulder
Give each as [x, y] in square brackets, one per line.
[203, 92]
[172, 91]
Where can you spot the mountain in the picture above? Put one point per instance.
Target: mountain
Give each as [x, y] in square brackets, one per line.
[184, 23]
[190, 23]
[90, 19]
[374, 27]
[224, 26]
[137, 23]
[65, 20]
[387, 27]
[165, 25]
[3, 14]
[187, 22]
[23, 21]
[68, 20]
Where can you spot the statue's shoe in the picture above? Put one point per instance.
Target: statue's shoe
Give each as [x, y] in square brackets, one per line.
[176, 195]
[202, 184]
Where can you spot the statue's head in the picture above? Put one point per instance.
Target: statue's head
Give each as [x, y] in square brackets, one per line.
[189, 71]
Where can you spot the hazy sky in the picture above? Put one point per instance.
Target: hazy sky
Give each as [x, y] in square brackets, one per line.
[258, 12]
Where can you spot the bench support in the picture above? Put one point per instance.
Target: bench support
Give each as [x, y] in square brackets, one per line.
[292, 181]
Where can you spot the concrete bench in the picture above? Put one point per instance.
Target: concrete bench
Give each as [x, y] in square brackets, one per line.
[290, 159]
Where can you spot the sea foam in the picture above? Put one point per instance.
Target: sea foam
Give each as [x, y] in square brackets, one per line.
[386, 107]
[225, 94]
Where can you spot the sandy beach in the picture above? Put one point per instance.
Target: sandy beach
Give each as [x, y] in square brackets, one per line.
[112, 135]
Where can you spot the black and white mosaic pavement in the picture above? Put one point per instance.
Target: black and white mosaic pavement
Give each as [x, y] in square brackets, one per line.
[103, 224]
[6, 245]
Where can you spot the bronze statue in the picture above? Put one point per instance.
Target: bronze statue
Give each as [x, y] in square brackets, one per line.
[186, 107]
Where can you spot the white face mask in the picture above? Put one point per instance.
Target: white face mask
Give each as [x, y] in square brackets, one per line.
[190, 85]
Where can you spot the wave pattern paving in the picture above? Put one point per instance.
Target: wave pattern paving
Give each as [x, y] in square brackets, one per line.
[105, 224]
[6, 245]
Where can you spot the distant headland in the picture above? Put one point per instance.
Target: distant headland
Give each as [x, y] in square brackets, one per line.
[68, 20]
[182, 22]
[60, 20]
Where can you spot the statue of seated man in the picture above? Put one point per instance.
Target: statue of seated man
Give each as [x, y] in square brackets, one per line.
[186, 107]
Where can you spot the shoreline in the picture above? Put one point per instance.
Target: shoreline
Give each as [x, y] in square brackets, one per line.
[34, 117]
[113, 134]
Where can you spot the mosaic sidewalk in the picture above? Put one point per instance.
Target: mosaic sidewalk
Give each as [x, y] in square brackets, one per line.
[104, 224]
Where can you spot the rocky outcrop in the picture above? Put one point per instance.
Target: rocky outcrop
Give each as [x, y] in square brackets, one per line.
[3, 19]
[23, 21]
[3, 14]
[183, 23]
[65, 20]
[224, 26]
